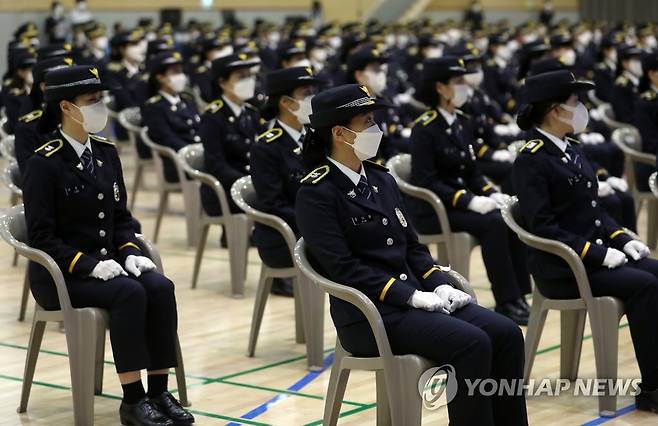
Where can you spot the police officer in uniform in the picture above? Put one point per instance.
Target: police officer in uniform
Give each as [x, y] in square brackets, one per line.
[358, 233]
[626, 88]
[443, 160]
[229, 126]
[212, 48]
[557, 190]
[646, 117]
[170, 114]
[75, 208]
[16, 89]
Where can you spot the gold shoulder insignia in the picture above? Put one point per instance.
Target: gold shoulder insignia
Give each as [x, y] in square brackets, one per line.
[270, 135]
[202, 69]
[375, 165]
[511, 103]
[426, 118]
[102, 139]
[114, 66]
[214, 106]
[649, 95]
[16, 91]
[316, 175]
[622, 81]
[27, 118]
[532, 146]
[153, 99]
[50, 147]
[7, 82]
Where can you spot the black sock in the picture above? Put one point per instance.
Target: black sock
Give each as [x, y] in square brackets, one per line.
[133, 392]
[157, 384]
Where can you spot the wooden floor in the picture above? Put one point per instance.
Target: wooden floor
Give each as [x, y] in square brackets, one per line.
[225, 386]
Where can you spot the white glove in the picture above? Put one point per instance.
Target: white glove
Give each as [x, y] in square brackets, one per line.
[456, 298]
[138, 264]
[636, 249]
[514, 129]
[618, 183]
[429, 301]
[503, 155]
[406, 132]
[605, 189]
[482, 205]
[614, 258]
[502, 130]
[107, 269]
[500, 199]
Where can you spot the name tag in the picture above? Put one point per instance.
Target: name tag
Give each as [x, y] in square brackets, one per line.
[76, 189]
[360, 220]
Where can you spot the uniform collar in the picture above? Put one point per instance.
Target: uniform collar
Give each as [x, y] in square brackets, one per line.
[78, 147]
[171, 98]
[632, 78]
[235, 108]
[294, 134]
[562, 145]
[351, 174]
[449, 117]
[132, 69]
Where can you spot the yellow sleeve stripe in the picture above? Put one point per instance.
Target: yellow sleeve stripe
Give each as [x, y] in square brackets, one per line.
[617, 232]
[77, 257]
[585, 250]
[482, 150]
[455, 197]
[385, 289]
[428, 273]
[129, 245]
[487, 187]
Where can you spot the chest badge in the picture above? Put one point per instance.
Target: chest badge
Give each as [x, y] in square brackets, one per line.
[352, 194]
[374, 188]
[100, 163]
[117, 194]
[79, 166]
[401, 218]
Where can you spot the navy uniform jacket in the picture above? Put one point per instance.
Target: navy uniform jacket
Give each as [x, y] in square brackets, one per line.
[276, 169]
[604, 78]
[624, 94]
[500, 84]
[646, 120]
[202, 78]
[76, 218]
[392, 142]
[174, 126]
[559, 201]
[13, 96]
[445, 162]
[130, 92]
[226, 140]
[28, 136]
[370, 245]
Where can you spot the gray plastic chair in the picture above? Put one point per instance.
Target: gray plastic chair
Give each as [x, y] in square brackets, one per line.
[311, 333]
[8, 147]
[652, 183]
[131, 120]
[453, 248]
[604, 315]
[608, 116]
[628, 139]
[591, 94]
[236, 226]
[397, 376]
[13, 179]
[85, 328]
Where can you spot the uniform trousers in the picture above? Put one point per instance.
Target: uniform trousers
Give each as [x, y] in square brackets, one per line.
[477, 342]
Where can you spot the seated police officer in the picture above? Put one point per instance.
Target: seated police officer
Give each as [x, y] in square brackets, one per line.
[443, 160]
[75, 208]
[358, 233]
[557, 190]
[276, 163]
[16, 88]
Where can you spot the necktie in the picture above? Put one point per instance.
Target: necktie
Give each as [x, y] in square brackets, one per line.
[363, 188]
[575, 158]
[88, 161]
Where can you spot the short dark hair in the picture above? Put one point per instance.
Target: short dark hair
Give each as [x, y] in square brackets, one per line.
[531, 115]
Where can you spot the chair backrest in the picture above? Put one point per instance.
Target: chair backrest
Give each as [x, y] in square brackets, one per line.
[244, 195]
[629, 140]
[608, 116]
[131, 119]
[652, 183]
[159, 153]
[13, 178]
[400, 168]
[591, 94]
[512, 217]
[8, 147]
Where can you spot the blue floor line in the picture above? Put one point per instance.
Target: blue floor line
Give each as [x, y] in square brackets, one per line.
[601, 420]
[296, 387]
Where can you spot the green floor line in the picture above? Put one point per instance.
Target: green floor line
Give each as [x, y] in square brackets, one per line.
[345, 414]
[555, 347]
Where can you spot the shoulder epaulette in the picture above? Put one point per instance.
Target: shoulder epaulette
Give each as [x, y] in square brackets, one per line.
[153, 99]
[16, 91]
[50, 147]
[145, 77]
[532, 146]
[316, 175]
[270, 135]
[649, 95]
[490, 62]
[622, 81]
[572, 140]
[375, 165]
[7, 81]
[601, 66]
[29, 117]
[114, 66]
[102, 139]
[214, 106]
[426, 118]
[202, 69]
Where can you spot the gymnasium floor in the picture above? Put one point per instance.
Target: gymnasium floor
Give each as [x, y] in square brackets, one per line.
[226, 387]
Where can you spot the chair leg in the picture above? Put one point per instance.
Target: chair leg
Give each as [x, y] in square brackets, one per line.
[652, 223]
[535, 328]
[36, 335]
[136, 183]
[99, 365]
[192, 200]
[181, 383]
[572, 329]
[312, 299]
[300, 338]
[262, 293]
[336, 389]
[397, 394]
[14, 262]
[237, 240]
[383, 405]
[200, 248]
[162, 206]
[605, 337]
[24, 297]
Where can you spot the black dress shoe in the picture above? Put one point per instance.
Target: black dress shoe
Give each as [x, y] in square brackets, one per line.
[522, 303]
[282, 287]
[143, 413]
[513, 312]
[647, 401]
[170, 406]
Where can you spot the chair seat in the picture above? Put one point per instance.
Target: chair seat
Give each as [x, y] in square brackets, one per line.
[377, 363]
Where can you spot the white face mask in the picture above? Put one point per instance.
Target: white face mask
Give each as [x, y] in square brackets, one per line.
[29, 79]
[475, 79]
[482, 44]
[585, 38]
[433, 52]
[612, 56]
[366, 143]
[245, 88]
[459, 95]
[335, 42]
[513, 45]
[304, 111]
[319, 55]
[301, 63]
[177, 82]
[220, 53]
[273, 38]
[579, 117]
[376, 80]
[635, 67]
[651, 42]
[100, 43]
[504, 53]
[568, 58]
[94, 117]
[135, 53]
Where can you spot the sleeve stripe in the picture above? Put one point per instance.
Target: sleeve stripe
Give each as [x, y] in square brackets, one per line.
[585, 249]
[130, 245]
[617, 232]
[385, 289]
[487, 186]
[74, 261]
[455, 197]
[482, 150]
[428, 273]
